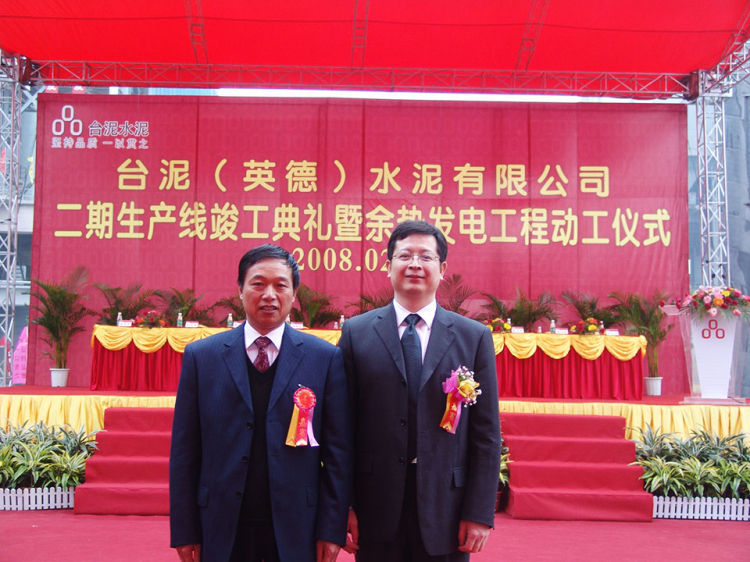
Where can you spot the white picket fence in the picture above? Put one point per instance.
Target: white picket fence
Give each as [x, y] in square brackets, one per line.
[701, 508]
[36, 498]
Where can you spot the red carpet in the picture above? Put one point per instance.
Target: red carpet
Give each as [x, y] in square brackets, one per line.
[573, 468]
[564, 467]
[129, 474]
[59, 536]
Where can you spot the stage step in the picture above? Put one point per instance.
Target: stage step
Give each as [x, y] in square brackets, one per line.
[123, 499]
[580, 505]
[139, 419]
[129, 474]
[560, 425]
[127, 469]
[132, 443]
[573, 468]
[572, 449]
[566, 475]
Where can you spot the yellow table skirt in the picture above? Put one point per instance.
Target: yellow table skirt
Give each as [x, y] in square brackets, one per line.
[678, 419]
[522, 346]
[78, 410]
[88, 411]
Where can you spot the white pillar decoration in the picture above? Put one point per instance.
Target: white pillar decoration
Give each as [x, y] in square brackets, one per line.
[713, 345]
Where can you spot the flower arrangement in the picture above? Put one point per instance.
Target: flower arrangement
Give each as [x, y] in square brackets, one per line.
[500, 325]
[589, 326]
[152, 319]
[714, 301]
[461, 389]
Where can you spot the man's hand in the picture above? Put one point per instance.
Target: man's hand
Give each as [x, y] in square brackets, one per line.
[189, 553]
[327, 551]
[352, 538]
[472, 536]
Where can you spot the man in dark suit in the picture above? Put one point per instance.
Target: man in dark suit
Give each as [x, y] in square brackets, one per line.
[238, 491]
[421, 493]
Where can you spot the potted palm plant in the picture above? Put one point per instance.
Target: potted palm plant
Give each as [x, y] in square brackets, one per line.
[61, 312]
[315, 308]
[452, 294]
[366, 302]
[185, 302]
[643, 316]
[523, 311]
[128, 301]
[587, 306]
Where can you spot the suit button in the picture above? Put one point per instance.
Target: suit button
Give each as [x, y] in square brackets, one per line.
[238, 494]
[249, 425]
[401, 461]
[403, 421]
[245, 459]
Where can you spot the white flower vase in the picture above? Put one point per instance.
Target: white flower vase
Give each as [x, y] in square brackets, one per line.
[653, 386]
[58, 377]
[713, 347]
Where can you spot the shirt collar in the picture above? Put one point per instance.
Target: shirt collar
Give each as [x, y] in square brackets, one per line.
[275, 335]
[427, 313]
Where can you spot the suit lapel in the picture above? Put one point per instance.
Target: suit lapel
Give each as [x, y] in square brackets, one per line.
[441, 337]
[385, 327]
[235, 360]
[288, 360]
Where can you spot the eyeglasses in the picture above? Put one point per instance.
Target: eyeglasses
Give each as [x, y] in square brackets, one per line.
[425, 259]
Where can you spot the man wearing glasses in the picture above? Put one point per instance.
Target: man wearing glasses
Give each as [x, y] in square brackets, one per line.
[422, 493]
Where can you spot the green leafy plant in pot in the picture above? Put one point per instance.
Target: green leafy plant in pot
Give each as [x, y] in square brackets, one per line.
[643, 316]
[61, 312]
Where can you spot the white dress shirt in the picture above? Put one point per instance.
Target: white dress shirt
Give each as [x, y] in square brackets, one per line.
[423, 327]
[272, 350]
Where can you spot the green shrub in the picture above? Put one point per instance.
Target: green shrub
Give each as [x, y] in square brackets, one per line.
[703, 465]
[39, 456]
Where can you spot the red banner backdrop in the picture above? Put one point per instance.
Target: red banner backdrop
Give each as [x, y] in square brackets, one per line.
[170, 191]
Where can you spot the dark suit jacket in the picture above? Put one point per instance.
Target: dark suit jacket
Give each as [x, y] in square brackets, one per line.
[213, 432]
[457, 475]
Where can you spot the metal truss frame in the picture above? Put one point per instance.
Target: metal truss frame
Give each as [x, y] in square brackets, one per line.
[531, 31]
[712, 190]
[11, 105]
[194, 11]
[733, 66]
[359, 32]
[626, 85]
[710, 88]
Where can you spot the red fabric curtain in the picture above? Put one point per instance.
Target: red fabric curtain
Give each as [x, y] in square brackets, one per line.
[131, 369]
[540, 376]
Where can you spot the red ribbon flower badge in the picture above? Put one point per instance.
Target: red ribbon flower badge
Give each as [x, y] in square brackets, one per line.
[301, 427]
[461, 388]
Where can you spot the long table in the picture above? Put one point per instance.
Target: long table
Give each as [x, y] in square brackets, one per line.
[589, 367]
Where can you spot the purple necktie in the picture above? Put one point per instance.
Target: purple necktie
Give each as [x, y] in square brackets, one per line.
[261, 361]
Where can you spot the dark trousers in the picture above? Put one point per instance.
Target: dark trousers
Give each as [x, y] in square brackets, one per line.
[255, 542]
[408, 545]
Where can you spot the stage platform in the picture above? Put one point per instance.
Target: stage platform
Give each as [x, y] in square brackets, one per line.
[81, 406]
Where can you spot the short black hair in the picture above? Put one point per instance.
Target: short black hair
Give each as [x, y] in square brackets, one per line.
[407, 228]
[267, 252]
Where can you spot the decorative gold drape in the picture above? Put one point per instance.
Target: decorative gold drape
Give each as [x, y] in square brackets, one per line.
[149, 340]
[557, 346]
[521, 346]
